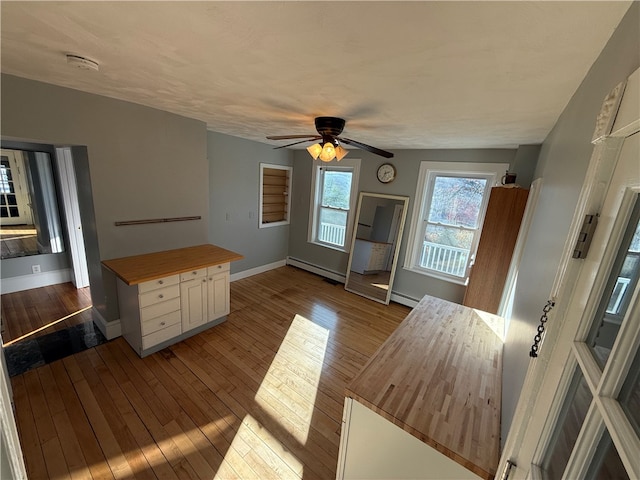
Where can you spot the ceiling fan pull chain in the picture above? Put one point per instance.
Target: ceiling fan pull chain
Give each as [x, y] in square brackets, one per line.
[543, 319]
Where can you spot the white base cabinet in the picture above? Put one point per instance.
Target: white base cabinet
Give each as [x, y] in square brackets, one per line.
[372, 447]
[157, 313]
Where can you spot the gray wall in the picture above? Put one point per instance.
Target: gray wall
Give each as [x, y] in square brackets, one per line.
[407, 163]
[144, 163]
[234, 187]
[563, 163]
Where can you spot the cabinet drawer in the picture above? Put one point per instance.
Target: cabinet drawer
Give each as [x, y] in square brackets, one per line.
[223, 267]
[201, 272]
[160, 336]
[159, 295]
[159, 283]
[159, 309]
[163, 321]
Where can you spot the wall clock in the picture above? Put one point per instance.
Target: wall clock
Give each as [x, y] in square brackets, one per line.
[386, 173]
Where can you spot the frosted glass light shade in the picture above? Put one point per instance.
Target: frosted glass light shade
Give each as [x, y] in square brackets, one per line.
[314, 150]
[341, 152]
[328, 152]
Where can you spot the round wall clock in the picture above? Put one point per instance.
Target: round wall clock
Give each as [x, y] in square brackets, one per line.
[386, 173]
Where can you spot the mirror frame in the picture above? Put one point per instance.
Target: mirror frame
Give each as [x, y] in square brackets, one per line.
[398, 241]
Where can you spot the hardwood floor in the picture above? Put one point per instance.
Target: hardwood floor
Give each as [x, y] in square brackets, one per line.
[257, 397]
[39, 311]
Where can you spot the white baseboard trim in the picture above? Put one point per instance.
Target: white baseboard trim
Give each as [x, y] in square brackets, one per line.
[110, 330]
[402, 300]
[35, 280]
[254, 271]
[323, 272]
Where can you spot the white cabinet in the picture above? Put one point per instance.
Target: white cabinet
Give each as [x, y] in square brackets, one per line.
[204, 294]
[160, 312]
[372, 447]
[369, 257]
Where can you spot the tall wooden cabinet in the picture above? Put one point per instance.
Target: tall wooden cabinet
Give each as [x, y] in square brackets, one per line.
[497, 242]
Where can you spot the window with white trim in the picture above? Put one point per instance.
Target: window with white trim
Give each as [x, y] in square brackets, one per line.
[451, 200]
[333, 196]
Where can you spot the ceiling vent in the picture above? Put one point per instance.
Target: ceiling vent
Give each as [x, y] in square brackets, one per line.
[82, 62]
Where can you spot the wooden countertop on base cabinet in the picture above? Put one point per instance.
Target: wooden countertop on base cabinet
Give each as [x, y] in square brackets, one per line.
[151, 266]
[439, 377]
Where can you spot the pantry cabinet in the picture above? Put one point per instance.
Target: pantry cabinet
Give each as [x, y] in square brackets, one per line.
[165, 297]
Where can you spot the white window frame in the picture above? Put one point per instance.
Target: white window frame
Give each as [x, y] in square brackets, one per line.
[351, 164]
[493, 172]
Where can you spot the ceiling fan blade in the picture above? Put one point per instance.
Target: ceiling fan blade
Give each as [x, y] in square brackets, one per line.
[289, 137]
[296, 143]
[368, 148]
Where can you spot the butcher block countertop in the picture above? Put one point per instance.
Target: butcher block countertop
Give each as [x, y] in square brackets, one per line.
[151, 266]
[439, 377]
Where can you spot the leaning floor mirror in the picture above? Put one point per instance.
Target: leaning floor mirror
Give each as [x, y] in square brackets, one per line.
[375, 245]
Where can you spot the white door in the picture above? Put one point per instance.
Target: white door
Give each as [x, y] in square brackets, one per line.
[579, 411]
[69, 194]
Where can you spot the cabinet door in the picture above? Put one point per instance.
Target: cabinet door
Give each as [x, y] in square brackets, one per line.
[193, 299]
[218, 295]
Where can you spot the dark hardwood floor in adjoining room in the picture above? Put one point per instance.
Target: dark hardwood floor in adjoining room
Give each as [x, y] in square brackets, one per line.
[40, 311]
[257, 397]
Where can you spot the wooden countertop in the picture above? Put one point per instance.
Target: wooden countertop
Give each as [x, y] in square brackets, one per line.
[439, 377]
[151, 266]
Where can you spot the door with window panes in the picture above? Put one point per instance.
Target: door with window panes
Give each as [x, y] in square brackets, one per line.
[579, 413]
[15, 204]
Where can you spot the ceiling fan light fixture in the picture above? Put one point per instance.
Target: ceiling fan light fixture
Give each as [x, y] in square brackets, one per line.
[328, 152]
[315, 150]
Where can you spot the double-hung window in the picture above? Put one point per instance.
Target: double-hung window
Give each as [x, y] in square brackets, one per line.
[334, 191]
[451, 200]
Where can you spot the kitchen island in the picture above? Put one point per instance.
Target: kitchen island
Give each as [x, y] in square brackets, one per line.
[427, 403]
[165, 297]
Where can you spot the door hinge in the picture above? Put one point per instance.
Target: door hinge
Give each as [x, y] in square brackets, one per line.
[585, 236]
[507, 470]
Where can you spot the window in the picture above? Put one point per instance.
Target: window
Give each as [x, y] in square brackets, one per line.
[451, 200]
[275, 198]
[334, 191]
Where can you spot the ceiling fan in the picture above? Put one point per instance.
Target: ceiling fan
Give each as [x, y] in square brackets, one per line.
[329, 129]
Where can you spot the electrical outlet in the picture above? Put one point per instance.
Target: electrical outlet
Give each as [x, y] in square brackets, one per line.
[35, 269]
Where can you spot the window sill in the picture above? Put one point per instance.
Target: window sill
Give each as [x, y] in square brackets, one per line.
[439, 276]
[330, 247]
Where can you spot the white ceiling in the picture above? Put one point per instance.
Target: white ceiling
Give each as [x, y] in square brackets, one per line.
[403, 74]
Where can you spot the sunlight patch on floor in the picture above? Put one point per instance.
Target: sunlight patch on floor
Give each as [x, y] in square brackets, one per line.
[288, 390]
[255, 448]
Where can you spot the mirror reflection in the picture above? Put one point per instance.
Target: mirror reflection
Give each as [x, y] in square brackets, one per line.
[375, 245]
[29, 217]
